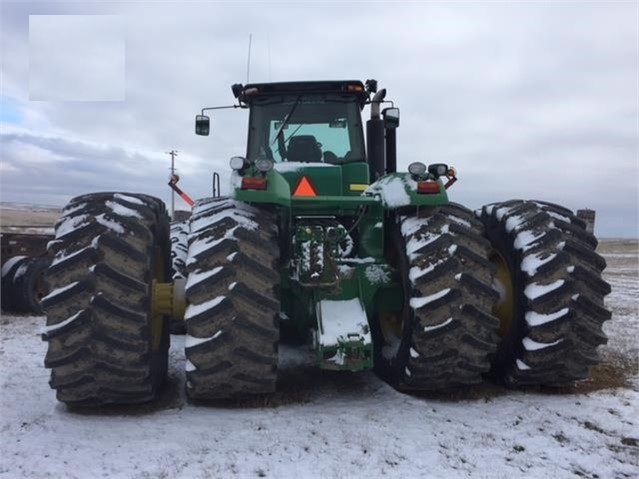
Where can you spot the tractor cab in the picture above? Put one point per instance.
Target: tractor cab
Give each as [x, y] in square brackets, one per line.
[312, 134]
[306, 128]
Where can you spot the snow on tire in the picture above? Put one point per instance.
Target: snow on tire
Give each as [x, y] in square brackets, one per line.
[179, 248]
[448, 329]
[554, 326]
[104, 343]
[232, 301]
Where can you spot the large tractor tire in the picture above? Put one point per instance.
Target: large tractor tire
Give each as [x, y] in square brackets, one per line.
[443, 337]
[106, 345]
[232, 301]
[23, 284]
[552, 295]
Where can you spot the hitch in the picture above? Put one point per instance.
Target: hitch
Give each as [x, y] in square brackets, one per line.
[343, 338]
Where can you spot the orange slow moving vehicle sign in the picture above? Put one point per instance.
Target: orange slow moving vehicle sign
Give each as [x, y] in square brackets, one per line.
[304, 188]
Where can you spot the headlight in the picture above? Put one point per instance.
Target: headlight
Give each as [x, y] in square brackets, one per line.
[237, 162]
[263, 164]
[417, 168]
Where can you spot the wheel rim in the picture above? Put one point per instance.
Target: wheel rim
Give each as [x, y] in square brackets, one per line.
[503, 284]
[157, 319]
[391, 325]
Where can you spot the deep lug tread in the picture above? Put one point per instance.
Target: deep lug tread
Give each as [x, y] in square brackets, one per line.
[449, 339]
[238, 356]
[103, 355]
[572, 338]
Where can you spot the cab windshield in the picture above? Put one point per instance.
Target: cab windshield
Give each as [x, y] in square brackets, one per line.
[306, 128]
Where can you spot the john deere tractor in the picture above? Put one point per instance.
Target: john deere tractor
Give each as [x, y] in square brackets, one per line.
[322, 239]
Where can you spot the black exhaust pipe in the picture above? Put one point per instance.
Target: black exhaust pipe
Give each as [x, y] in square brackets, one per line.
[391, 150]
[375, 139]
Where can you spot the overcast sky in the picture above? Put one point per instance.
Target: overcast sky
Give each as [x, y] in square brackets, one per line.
[533, 100]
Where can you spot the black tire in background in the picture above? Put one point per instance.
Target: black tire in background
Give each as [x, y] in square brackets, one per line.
[446, 332]
[553, 302]
[29, 285]
[105, 345]
[7, 292]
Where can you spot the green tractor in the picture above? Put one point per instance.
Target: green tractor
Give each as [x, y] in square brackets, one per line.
[322, 240]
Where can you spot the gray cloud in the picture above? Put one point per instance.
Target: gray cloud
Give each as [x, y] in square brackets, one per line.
[76, 58]
[526, 100]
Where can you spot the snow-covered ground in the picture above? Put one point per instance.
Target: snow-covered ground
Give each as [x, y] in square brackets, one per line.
[329, 424]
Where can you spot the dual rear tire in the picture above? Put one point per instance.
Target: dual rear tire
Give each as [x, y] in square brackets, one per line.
[552, 294]
[105, 343]
[515, 293]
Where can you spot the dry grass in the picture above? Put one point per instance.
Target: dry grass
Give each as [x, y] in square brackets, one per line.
[618, 246]
[20, 217]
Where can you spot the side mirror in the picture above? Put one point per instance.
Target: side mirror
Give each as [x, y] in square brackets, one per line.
[391, 117]
[202, 125]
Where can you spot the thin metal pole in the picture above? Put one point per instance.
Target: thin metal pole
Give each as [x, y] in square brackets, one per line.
[173, 154]
[248, 62]
[268, 46]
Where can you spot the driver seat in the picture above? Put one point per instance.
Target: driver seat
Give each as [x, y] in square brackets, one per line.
[304, 148]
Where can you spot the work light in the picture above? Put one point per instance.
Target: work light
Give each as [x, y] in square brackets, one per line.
[417, 168]
[237, 162]
[264, 165]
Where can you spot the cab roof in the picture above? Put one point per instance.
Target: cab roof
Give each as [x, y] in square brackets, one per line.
[347, 87]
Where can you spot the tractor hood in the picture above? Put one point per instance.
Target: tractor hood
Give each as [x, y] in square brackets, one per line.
[305, 185]
[311, 179]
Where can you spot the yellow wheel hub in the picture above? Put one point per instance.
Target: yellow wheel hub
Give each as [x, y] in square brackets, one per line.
[505, 306]
[159, 298]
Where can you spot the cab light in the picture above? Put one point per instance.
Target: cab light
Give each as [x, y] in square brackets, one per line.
[354, 88]
[427, 187]
[253, 183]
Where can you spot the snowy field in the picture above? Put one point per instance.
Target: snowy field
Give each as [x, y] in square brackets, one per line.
[324, 424]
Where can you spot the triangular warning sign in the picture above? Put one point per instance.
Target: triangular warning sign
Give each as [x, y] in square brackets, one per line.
[304, 188]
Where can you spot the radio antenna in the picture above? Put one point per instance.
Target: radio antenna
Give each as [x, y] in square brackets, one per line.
[268, 46]
[248, 62]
